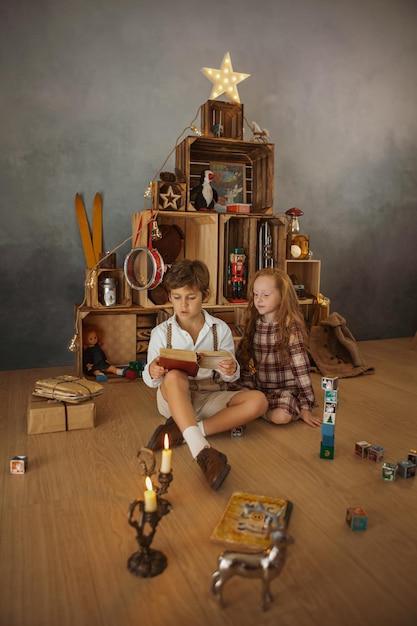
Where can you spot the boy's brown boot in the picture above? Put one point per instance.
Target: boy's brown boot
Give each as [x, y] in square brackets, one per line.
[156, 442]
[214, 465]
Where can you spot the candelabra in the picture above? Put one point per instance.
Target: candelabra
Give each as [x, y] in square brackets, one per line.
[144, 515]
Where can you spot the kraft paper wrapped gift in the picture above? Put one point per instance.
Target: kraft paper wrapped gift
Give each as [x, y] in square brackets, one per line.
[45, 416]
[48, 416]
[67, 389]
[80, 415]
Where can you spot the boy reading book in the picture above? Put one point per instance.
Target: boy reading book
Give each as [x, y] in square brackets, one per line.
[197, 406]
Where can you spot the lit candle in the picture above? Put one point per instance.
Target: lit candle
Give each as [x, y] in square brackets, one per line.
[166, 457]
[150, 496]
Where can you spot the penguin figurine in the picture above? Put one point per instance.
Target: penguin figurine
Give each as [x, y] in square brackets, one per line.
[206, 196]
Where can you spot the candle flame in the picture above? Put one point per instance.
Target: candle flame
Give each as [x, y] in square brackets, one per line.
[166, 442]
[148, 483]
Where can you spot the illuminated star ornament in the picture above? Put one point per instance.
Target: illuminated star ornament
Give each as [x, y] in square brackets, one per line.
[225, 80]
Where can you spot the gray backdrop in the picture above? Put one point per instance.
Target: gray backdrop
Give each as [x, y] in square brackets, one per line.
[94, 94]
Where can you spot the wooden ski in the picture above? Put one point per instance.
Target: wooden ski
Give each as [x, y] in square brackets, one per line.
[97, 226]
[90, 256]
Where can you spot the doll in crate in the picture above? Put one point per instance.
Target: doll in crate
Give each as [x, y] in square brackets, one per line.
[94, 359]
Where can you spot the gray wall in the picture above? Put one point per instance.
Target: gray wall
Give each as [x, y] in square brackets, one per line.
[94, 94]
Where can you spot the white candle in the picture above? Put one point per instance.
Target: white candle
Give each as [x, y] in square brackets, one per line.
[166, 457]
[150, 496]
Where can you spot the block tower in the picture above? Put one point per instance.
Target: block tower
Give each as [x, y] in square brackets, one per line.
[330, 387]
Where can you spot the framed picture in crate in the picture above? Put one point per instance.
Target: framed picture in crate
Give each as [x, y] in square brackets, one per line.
[229, 181]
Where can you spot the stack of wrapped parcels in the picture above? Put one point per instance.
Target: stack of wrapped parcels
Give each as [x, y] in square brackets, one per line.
[62, 403]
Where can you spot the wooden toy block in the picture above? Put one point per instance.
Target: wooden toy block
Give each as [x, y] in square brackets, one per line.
[328, 441]
[330, 407]
[135, 370]
[168, 196]
[329, 383]
[362, 448]
[376, 454]
[326, 452]
[137, 366]
[329, 418]
[327, 429]
[412, 456]
[406, 468]
[331, 395]
[389, 471]
[356, 518]
[18, 464]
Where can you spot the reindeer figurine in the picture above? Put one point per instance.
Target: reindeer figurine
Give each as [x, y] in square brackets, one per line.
[265, 565]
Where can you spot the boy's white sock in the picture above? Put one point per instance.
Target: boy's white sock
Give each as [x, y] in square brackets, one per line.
[194, 440]
[201, 427]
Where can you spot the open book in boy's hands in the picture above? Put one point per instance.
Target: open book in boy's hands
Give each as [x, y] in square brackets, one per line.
[189, 361]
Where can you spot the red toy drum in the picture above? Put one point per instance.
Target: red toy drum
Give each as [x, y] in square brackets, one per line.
[144, 268]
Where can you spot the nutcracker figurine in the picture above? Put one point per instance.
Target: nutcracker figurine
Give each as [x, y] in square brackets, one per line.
[237, 274]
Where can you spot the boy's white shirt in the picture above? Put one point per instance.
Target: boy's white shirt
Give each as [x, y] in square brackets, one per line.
[182, 340]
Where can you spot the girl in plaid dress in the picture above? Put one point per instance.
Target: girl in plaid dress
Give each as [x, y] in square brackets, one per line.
[272, 352]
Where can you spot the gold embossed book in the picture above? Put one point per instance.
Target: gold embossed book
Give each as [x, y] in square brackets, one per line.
[243, 522]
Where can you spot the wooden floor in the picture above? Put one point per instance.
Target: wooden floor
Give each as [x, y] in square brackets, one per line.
[65, 539]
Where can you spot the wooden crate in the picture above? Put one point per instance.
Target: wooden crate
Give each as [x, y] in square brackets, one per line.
[144, 324]
[126, 333]
[200, 231]
[227, 115]
[195, 154]
[119, 329]
[307, 273]
[92, 288]
[244, 231]
[312, 312]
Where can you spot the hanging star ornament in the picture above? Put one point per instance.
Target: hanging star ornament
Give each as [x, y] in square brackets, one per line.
[225, 80]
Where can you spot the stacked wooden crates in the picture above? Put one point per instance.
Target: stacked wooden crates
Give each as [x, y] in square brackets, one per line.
[207, 235]
[211, 237]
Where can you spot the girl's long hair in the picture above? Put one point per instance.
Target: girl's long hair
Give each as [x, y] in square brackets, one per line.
[286, 315]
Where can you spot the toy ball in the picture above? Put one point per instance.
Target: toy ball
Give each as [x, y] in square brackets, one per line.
[295, 252]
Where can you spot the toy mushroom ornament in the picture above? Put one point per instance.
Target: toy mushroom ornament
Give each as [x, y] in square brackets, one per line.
[293, 215]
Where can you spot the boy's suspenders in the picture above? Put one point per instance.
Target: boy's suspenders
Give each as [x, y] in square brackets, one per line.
[213, 328]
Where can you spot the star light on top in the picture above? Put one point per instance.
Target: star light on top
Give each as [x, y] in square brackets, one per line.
[225, 80]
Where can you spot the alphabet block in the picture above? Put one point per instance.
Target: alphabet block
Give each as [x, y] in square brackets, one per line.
[362, 448]
[406, 468]
[356, 518]
[389, 471]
